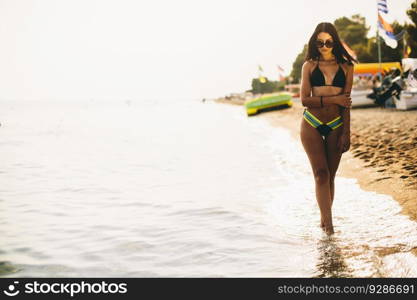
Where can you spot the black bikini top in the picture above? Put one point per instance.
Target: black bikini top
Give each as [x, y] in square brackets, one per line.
[317, 77]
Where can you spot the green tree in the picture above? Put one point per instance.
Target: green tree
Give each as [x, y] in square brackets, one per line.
[363, 52]
[412, 29]
[297, 65]
[266, 87]
[352, 31]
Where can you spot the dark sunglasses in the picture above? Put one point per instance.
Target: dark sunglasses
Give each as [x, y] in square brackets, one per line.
[327, 43]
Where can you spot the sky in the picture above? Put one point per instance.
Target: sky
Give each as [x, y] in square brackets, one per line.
[134, 49]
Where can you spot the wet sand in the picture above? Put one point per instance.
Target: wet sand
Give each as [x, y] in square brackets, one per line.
[383, 152]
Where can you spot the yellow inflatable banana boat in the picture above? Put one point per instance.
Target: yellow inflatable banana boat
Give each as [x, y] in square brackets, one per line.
[268, 102]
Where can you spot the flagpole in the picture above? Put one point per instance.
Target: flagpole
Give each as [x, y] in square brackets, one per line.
[379, 51]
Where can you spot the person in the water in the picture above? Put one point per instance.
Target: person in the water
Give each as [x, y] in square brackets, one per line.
[326, 83]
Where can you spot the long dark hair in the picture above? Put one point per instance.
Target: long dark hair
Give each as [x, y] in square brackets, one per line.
[338, 50]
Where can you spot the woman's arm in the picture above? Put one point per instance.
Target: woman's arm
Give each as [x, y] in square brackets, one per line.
[305, 93]
[347, 90]
[343, 142]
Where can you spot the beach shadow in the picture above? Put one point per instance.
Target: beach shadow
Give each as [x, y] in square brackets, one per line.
[331, 262]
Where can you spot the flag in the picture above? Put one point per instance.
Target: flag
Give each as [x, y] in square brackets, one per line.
[382, 6]
[260, 68]
[407, 49]
[387, 33]
[384, 27]
[281, 76]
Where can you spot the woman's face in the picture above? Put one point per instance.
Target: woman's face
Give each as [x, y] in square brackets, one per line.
[327, 40]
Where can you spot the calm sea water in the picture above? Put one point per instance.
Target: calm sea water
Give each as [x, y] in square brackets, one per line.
[178, 189]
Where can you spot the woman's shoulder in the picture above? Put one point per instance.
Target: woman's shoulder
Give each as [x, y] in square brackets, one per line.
[347, 66]
[308, 64]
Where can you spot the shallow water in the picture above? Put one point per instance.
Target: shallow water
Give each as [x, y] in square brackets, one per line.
[184, 189]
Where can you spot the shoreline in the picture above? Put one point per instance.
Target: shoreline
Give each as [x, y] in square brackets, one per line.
[383, 152]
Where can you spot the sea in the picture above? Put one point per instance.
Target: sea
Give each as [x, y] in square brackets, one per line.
[178, 188]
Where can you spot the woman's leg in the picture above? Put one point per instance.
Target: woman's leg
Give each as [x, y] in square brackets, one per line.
[333, 156]
[314, 146]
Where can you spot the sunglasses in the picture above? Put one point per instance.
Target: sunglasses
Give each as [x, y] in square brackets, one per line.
[327, 43]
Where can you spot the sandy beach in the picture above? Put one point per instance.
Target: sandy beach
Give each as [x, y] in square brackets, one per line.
[383, 153]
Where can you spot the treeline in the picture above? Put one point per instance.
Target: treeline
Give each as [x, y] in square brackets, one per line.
[266, 86]
[354, 31]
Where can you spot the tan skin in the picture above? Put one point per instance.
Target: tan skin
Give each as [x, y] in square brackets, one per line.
[325, 154]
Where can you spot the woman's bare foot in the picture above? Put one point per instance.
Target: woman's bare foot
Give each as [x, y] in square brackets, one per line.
[327, 226]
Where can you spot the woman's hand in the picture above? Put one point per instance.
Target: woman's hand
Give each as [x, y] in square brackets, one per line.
[343, 143]
[343, 100]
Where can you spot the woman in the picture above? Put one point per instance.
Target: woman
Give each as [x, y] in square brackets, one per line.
[326, 83]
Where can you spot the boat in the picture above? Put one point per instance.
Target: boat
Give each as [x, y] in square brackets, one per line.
[407, 100]
[268, 102]
[361, 89]
[408, 97]
[360, 99]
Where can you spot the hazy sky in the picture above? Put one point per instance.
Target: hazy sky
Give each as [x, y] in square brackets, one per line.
[125, 49]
